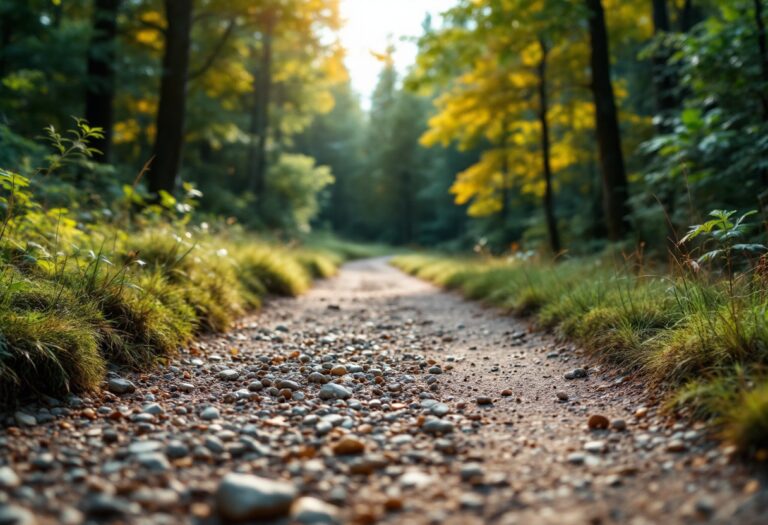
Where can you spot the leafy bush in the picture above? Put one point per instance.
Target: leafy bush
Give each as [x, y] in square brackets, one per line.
[294, 184]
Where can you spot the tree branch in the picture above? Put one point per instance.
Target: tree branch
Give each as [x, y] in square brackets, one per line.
[218, 48]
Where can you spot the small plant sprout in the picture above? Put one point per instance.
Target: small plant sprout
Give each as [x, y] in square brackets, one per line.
[724, 239]
[71, 145]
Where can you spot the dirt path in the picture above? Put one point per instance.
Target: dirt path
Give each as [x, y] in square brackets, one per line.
[440, 411]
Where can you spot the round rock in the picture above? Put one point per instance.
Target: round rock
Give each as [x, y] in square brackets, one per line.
[242, 497]
[312, 511]
[334, 391]
[120, 386]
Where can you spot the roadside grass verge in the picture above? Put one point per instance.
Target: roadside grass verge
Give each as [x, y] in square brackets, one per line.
[126, 282]
[701, 340]
[134, 298]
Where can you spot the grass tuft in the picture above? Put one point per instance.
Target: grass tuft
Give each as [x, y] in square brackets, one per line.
[703, 342]
[136, 300]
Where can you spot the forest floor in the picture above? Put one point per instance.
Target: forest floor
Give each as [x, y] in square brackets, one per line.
[440, 411]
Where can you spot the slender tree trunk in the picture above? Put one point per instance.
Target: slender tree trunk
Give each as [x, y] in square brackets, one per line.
[58, 15]
[173, 97]
[660, 16]
[257, 159]
[762, 43]
[6, 37]
[504, 212]
[615, 190]
[100, 86]
[664, 79]
[667, 102]
[549, 206]
[687, 16]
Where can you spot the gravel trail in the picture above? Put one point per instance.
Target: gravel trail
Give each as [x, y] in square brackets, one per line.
[375, 398]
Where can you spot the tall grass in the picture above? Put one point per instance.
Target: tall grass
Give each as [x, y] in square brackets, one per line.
[699, 338]
[63, 318]
[129, 286]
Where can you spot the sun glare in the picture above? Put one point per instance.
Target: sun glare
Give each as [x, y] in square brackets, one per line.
[372, 24]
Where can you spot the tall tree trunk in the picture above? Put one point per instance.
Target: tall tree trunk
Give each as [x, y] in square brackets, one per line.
[58, 15]
[100, 85]
[169, 141]
[762, 44]
[259, 129]
[6, 37]
[504, 212]
[688, 17]
[615, 190]
[549, 206]
[667, 102]
[664, 79]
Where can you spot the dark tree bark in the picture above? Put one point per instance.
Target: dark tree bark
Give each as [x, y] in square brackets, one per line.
[664, 79]
[665, 82]
[505, 168]
[688, 16]
[58, 15]
[100, 87]
[549, 206]
[762, 44]
[660, 16]
[615, 190]
[173, 96]
[6, 36]
[259, 129]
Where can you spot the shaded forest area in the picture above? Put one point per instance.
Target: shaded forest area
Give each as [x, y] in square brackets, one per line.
[555, 123]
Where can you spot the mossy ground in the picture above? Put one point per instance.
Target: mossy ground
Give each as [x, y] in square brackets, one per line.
[701, 341]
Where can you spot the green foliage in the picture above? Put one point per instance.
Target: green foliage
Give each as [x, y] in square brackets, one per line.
[726, 235]
[294, 183]
[719, 134]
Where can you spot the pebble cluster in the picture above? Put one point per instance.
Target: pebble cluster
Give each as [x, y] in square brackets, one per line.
[375, 399]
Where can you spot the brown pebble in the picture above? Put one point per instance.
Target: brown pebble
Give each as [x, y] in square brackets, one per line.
[394, 504]
[349, 445]
[598, 422]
